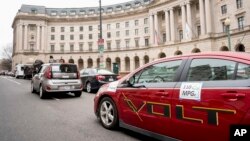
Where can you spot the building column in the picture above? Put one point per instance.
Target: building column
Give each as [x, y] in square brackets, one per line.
[94, 63]
[42, 40]
[202, 19]
[156, 29]
[19, 37]
[167, 25]
[183, 19]
[38, 37]
[141, 60]
[189, 20]
[172, 26]
[132, 64]
[208, 16]
[151, 24]
[25, 37]
[123, 67]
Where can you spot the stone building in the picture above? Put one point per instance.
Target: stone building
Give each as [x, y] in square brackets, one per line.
[134, 32]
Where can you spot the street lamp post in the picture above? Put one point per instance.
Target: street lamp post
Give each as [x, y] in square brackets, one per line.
[227, 24]
[100, 40]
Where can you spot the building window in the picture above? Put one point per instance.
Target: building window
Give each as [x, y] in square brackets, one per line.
[90, 36]
[109, 35]
[81, 28]
[71, 47]
[62, 37]
[146, 21]
[63, 13]
[108, 26]
[127, 43]
[126, 24]
[52, 48]
[118, 44]
[71, 29]
[146, 30]
[146, 42]
[71, 37]
[52, 37]
[52, 29]
[241, 23]
[239, 4]
[179, 12]
[32, 37]
[109, 45]
[198, 30]
[31, 47]
[136, 42]
[81, 36]
[117, 33]
[32, 27]
[72, 13]
[127, 32]
[81, 47]
[82, 12]
[62, 29]
[223, 9]
[62, 48]
[53, 13]
[181, 34]
[197, 6]
[136, 22]
[117, 25]
[164, 37]
[33, 11]
[90, 28]
[136, 32]
[90, 46]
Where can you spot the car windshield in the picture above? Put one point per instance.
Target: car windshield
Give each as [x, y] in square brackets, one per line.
[64, 68]
[102, 71]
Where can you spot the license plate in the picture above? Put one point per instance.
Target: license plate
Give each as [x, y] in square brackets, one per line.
[111, 79]
[65, 87]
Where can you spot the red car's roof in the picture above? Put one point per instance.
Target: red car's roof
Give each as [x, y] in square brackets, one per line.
[241, 55]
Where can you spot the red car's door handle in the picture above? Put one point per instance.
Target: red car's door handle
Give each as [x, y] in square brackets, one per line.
[233, 96]
[162, 93]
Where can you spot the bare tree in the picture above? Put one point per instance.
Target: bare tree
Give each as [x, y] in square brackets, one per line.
[7, 57]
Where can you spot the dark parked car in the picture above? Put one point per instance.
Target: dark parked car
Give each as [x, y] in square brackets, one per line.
[94, 78]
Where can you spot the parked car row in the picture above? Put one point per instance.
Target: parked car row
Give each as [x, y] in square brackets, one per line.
[7, 73]
[64, 78]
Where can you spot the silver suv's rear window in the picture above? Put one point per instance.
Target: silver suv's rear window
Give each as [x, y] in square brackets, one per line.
[64, 68]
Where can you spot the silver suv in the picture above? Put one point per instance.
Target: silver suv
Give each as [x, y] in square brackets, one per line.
[57, 77]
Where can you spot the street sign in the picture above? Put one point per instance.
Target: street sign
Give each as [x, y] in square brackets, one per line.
[100, 42]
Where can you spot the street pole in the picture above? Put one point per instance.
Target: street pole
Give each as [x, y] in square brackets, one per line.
[227, 23]
[229, 37]
[100, 40]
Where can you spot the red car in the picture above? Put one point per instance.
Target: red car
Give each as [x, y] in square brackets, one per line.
[189, 97]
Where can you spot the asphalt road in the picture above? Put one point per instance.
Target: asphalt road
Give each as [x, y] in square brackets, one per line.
[25, 117]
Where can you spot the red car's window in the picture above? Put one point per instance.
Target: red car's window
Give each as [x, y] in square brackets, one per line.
[243, 71]
[157, 73]
[211, 69]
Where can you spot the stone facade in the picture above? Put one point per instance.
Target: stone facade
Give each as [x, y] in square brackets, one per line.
[135, 32]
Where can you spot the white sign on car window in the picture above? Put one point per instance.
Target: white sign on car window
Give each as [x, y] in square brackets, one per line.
[190, 91]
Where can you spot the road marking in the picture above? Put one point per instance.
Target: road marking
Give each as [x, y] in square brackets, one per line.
[12, 81]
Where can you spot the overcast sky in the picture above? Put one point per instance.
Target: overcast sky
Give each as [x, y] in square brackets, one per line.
[9, 8]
